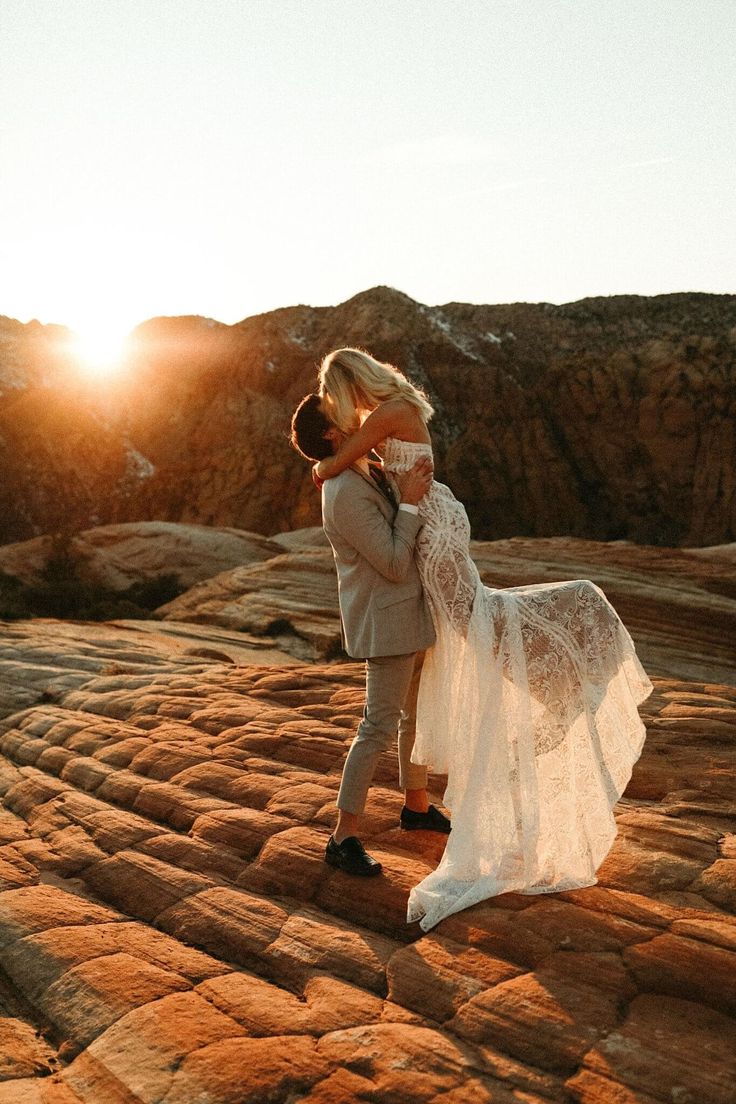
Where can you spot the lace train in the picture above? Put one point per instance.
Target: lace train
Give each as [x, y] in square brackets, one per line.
[528, 701]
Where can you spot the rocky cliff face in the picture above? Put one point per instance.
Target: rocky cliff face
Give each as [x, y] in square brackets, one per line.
[607, 418]
[66, 464]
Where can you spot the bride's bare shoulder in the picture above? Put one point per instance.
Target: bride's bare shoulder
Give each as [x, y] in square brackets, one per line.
[403, 420]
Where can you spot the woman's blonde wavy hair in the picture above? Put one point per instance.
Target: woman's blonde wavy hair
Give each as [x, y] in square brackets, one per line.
[352, 380]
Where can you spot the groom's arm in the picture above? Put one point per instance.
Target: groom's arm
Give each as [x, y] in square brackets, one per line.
[357, 517]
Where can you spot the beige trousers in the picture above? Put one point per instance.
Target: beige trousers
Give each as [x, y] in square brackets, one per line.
[391, 687]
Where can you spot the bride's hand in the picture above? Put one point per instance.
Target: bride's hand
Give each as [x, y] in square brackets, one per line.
[318, 482]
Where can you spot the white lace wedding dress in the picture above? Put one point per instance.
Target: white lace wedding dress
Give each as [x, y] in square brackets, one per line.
[528, 701]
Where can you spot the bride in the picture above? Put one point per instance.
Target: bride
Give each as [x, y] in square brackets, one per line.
[528, 699]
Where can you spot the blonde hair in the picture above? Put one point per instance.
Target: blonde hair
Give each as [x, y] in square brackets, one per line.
[352, 380]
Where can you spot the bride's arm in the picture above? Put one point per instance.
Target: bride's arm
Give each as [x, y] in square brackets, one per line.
[387, 419]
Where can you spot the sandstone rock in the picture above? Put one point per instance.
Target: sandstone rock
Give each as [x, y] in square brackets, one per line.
[311, 941]
[681, 1032]
[116, 556]
[721, 931]
[37, 962]
[715, 551]
[16, 872]
[651, 849]
[570, 927]
[265, 1010]
[230, 924]
[544, 1019]
[294, 594]
[155, 885]
[248, 1071]
[213, 861]
[304, 800]
[300, 540]
[63, 463]
[182, 912]
[111, 829]
[718, 883]
[663, 595]
[32, 1091]
[290, 864]
[404, 1062]
[22, 1052]
[686, 968]
[243, 831]
[206, 642]
[610, 417]
[42, 660]
[37, 908]
[90, 997]
[495, 930]
[141, 1050]
[438, 976]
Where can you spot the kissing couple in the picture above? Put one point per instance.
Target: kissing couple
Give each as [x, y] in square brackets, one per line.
[525, 697]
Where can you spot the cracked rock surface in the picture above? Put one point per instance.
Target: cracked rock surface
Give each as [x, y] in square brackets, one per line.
[170, 933]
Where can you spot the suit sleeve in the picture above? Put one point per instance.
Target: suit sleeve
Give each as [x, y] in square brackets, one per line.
[387, 547]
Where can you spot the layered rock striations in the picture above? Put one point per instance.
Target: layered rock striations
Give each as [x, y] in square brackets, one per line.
[117, 556]
[607, 418]
[170, 932]
[679, 607]
[679, 604]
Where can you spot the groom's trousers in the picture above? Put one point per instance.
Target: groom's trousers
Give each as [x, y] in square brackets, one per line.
[391, 688]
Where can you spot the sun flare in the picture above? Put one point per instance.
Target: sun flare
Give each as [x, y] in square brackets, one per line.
[99, 349]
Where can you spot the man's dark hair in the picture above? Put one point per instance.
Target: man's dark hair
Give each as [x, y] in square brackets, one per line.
[308, 428]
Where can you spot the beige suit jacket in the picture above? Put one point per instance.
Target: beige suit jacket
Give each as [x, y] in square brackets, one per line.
[382, 606]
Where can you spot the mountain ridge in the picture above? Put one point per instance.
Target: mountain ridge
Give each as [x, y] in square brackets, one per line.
[605, 418]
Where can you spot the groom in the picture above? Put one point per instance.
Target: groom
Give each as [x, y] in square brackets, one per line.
[385, 620]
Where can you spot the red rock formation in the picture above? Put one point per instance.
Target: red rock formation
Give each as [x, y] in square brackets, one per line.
[169, 931]
[679, 607]
[606, 418]
[115, 556]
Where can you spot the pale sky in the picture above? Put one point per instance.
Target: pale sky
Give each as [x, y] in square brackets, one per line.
[227, 157]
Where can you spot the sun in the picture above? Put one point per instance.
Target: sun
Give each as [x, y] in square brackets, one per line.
[99, 349]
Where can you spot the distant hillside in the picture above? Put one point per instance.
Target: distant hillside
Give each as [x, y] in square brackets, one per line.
[609, 418]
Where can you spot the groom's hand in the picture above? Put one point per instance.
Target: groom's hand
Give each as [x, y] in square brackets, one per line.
[414, 484]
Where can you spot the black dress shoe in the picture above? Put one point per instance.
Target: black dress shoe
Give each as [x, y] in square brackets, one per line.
[351, 857]
[433, 820]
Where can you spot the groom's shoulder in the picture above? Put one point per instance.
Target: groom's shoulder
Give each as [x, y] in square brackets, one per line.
[345, 496]
[348, 482]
